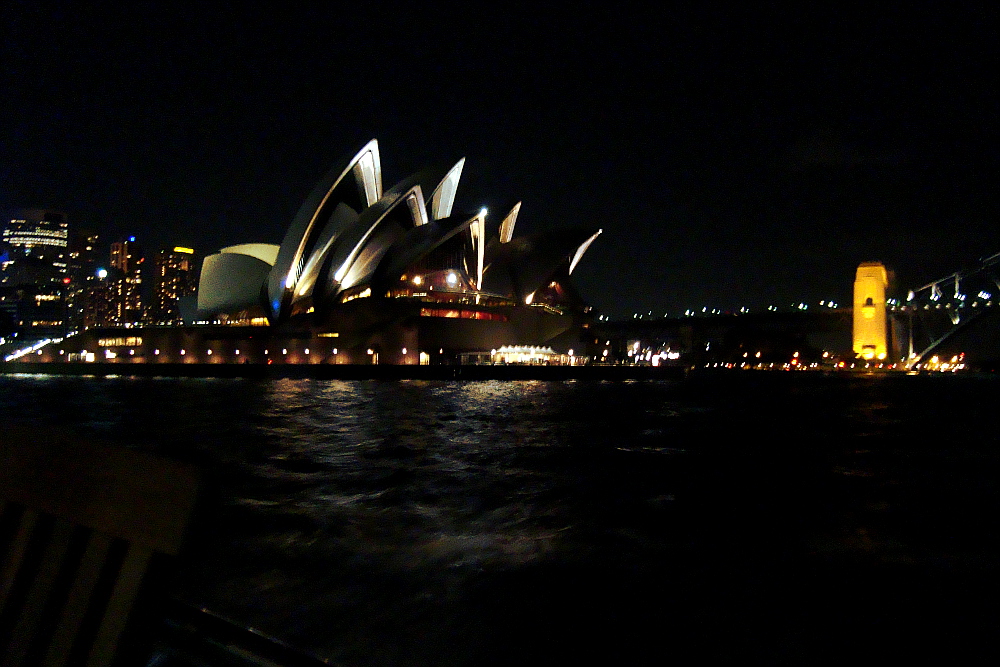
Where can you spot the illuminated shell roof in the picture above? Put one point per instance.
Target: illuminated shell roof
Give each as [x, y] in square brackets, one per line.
[349, 234]
[415, 245]
[526, 264]
[230, 281]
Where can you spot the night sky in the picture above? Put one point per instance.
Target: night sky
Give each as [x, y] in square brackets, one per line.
[748, 156]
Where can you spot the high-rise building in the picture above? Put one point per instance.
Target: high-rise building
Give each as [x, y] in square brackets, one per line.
[37, 243]
[82, 271]
[101, 300]
[126, 281]
[174, 277]
[126, 255]
[34, 282]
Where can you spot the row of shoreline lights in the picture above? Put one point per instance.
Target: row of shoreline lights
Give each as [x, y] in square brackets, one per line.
[111, 354]
[892, 303]
[744, 310]
[36, 347]
[646, 354]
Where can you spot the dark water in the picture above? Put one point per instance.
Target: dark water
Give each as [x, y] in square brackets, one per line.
[746, 517]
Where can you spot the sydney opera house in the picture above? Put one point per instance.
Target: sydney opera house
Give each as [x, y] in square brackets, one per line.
[371, 275]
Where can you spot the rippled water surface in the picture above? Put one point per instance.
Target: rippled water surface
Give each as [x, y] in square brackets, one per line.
[785, 519]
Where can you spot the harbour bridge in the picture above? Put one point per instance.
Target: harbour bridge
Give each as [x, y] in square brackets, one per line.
[939, 311]
[937, 318]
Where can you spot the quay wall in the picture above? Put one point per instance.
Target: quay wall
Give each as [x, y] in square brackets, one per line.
[348, 371]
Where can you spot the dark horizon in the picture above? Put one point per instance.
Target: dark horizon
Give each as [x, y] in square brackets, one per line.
[739, 157]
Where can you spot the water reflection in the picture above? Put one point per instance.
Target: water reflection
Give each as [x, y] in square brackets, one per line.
[431, 523]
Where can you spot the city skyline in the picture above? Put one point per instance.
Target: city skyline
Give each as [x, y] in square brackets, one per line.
[104, 252]
[744, 157]
[56, 278]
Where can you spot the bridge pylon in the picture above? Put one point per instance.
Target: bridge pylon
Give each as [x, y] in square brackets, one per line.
[870, 334]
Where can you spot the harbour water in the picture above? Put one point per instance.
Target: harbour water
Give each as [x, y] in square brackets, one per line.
[751, 517]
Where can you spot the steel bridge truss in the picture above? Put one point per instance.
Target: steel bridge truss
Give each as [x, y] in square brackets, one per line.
[963, 296]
